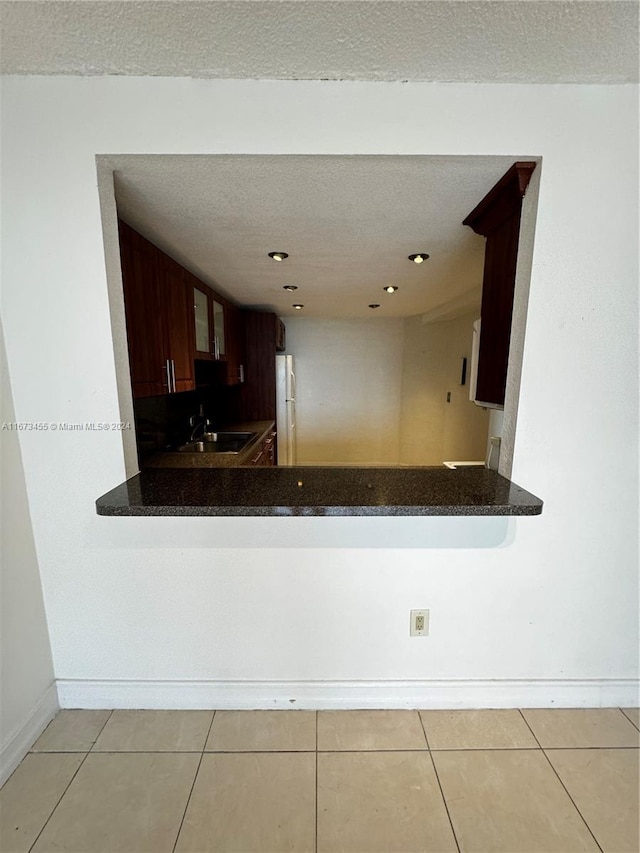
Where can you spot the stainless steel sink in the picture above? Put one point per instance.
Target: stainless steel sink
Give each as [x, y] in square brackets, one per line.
[219, 442]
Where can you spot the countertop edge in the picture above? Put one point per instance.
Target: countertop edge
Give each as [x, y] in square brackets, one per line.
[328, 492]
[316, 512]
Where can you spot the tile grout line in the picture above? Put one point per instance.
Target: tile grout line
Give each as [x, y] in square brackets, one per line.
[157, 751]
[321, 751]
[332, 751]
[435, 770]
[193, 784]
[92, 747]
[46, 823]
[80, 766]
[560, 780]
[627, 717]
[315, 847]
[587, 748]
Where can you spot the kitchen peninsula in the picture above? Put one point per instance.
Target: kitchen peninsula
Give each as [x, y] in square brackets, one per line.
[308, 491]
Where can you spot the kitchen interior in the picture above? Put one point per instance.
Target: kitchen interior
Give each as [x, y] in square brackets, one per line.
[306, 310]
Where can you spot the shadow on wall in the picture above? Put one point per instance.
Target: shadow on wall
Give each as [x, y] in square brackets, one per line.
[184, 534]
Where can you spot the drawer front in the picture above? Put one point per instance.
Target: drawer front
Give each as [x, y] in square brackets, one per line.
[265, 453]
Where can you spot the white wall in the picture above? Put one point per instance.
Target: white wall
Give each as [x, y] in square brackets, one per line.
[550, 600]
[349, 379]
[373, 392]
[28, 697]
[433, 429]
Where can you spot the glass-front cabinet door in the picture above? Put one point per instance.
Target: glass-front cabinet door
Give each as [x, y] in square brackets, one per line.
[201, 317]
[219, 344]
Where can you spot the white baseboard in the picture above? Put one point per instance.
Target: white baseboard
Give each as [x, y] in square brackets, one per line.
[20, 741]
[328, 695]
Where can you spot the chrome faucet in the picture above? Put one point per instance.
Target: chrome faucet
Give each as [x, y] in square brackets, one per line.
[199, 422]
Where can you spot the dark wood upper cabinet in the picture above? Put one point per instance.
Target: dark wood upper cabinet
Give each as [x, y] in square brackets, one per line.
[235, 349]
[258, 394]
[142, 302]
[219, 322]
[174, 319]
[201, 318]
[497, 218]
[177, 313]
[158, 314]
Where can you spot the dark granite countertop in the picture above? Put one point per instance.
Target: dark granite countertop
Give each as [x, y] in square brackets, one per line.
[304, 491]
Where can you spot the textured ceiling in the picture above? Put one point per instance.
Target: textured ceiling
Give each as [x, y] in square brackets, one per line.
[497, 41]
[348, 224]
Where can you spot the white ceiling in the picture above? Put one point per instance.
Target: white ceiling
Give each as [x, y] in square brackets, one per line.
[496, 41]
[347, 222]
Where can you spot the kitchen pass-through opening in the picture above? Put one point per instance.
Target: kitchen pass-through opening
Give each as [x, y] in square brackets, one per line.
[384, 386]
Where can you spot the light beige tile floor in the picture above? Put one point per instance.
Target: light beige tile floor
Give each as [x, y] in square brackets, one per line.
[634, 715]
[369, 730]
[31, 795]
[263, 731]
[72, 731]
[122, 802]
[155, 731]
[252, 802]
[508, 800]
[270, 781]
[559, 728]
[477, 730]
[603, 784]
[376, 802]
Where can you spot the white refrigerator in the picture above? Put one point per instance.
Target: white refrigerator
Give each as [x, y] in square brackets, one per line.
[286, 409]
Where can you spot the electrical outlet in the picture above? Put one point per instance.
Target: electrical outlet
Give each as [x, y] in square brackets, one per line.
[419, 623]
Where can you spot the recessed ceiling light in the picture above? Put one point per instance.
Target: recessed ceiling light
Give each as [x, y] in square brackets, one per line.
[374, 305]
[418, 259]
[298, 307]
[278, 256]
[290, 287]
[390, 288]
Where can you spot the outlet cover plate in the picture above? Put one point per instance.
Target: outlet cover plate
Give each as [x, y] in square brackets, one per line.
[419, 623]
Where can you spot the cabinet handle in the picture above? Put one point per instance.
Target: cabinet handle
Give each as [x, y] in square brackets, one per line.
[167, 384]
[241, 373]
[216, 348]
[173, 375]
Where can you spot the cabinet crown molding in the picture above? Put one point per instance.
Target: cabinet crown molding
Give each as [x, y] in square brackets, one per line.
[502, 200]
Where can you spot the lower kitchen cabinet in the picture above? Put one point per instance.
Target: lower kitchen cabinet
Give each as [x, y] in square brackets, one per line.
[265, 454]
